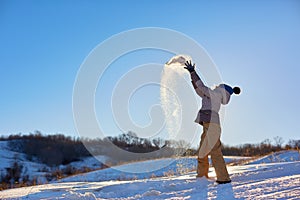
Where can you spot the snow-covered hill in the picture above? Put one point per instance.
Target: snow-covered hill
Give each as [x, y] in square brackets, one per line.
[260, 180]
[38, 171]
[33, 169]
[281, 156]
[145, 169]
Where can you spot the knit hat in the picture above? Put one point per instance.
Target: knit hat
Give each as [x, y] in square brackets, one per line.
[230, 90]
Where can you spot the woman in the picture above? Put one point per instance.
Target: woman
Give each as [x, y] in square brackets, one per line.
[208, 117]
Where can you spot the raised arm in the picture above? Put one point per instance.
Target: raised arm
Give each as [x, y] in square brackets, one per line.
[201, 89]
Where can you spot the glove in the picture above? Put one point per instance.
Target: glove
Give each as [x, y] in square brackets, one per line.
[189, 66]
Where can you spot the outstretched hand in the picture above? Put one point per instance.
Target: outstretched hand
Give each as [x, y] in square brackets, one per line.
[189, 66]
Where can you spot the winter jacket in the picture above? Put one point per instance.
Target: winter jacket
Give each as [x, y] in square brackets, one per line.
[211, 101]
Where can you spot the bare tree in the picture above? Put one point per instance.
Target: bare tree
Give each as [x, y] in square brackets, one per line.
[278, 141]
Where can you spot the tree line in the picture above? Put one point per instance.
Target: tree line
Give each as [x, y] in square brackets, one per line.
[60, 149]
[263, 148]
[52, 150]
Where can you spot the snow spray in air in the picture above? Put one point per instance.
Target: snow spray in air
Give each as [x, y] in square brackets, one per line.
[173, 87]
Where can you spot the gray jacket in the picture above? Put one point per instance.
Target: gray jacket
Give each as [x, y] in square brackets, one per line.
[211, 100]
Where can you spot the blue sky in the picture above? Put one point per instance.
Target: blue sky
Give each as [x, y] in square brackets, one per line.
[255, 44]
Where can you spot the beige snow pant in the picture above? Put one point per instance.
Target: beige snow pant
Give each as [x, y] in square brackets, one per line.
[210, 144]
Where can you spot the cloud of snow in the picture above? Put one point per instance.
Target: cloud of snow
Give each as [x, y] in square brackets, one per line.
[172, 76]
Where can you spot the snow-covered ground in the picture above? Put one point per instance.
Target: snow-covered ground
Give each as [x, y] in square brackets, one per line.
[39, 171]
[145, 169]
[265, 178]
[281, 156]
[33, 169]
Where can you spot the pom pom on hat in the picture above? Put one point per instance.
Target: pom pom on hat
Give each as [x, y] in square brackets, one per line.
[236, 90]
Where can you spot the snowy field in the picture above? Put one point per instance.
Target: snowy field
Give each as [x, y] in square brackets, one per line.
[275, 176]
[37, 170]
[7, 157]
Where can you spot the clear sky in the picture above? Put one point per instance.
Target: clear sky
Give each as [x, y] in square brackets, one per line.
[255, 44]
